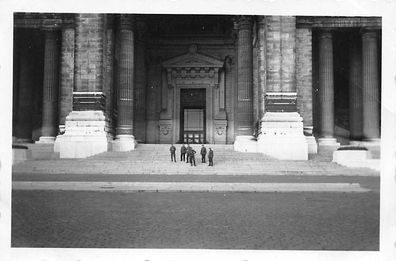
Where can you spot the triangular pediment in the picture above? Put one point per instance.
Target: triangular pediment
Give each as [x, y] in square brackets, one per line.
[193, 59]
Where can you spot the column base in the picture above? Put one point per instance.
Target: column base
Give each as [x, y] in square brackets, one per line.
[84, 136]
[312, 145]
[21, 140]
[366, 143]
[328, 142]
[245, 143]
[123, 143]
[46, 140]
[282, 136]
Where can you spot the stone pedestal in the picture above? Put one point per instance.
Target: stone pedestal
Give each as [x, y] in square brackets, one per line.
[328, 142]
[84, 136]
[282, 136]
[311, 141]
[46, 139]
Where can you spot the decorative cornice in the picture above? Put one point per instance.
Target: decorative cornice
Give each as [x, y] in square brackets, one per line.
[337, 22]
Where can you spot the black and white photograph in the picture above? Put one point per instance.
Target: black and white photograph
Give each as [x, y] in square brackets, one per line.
[203, 130]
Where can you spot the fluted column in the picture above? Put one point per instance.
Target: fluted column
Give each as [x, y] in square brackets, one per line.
[244, 140]
[140, 84]
[67, 75]
[124, 129]
[371, 130]
[326, 88]
[50, 88]
[245, 77]
[23, 125]
[355, 89]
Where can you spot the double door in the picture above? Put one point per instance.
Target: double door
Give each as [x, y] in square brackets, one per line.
[193, 116]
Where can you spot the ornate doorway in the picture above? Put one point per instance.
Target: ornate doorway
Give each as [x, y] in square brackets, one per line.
[201, 76]
[193, 116]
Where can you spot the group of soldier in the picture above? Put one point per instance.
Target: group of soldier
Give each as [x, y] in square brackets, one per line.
[190, 153]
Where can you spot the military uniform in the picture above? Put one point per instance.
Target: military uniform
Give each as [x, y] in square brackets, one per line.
[172, 150]
[210, 157]
[188, 153]
[203, 153]
[192, 156]
[183, 151]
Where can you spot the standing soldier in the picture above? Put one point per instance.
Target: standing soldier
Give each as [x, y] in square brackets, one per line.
[210, 157]
[183, 151]
[192, 156]
[203, 153]
[188, 153]
[172, 150]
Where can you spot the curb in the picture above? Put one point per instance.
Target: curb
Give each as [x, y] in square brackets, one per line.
[188, 186]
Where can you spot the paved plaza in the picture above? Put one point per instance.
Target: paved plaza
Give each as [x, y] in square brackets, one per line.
[197, 220]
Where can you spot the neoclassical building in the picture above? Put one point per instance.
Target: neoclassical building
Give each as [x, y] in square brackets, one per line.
[280, 85]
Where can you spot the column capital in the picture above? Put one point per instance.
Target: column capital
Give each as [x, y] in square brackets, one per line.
[51, 24]
[243, 22]
[261, 20]
[126, 22]
[368, 33]
[110, 21]
[326, 33]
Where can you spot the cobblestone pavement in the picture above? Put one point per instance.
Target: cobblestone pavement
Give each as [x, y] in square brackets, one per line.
[297, 220]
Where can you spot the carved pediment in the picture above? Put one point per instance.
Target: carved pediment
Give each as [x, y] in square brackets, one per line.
[193, 59]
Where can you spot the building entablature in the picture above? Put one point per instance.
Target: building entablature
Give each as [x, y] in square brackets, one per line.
[319, 22]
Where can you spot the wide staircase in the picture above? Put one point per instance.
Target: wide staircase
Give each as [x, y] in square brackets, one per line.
[155, 159]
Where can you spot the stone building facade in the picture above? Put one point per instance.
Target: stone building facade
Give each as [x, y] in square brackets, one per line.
[279, 85]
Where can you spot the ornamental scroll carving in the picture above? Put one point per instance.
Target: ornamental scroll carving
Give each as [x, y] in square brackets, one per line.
[220, 130]
[165, 129]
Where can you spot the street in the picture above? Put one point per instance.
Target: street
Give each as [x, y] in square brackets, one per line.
[277, 221]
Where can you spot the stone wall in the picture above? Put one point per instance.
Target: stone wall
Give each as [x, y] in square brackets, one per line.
[304, 74]
[89, 52]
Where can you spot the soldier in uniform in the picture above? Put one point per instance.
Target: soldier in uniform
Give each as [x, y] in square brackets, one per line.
[188, 153]
[183, 151]
[210, 157]
[203, 153]
[172, 150]
[192, 156]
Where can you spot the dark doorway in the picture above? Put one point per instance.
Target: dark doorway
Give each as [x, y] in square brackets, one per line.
[193, 116]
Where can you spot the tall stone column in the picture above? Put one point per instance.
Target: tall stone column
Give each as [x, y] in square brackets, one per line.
[281, 131]
[371, 128]
[23, 125]
[125, 140]
[244, 138]
[355, 90]
[67, 75]
[326, 88]
[140, 84]
[85, 127]
[50, 88]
